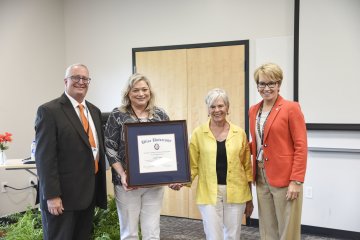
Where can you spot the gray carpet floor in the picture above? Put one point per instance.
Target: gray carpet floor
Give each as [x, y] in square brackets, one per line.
[174, 228]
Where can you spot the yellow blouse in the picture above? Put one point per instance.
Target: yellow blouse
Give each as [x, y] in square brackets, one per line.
[203, 164]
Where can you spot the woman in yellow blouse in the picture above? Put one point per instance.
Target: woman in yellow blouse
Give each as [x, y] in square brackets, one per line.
[220, 157]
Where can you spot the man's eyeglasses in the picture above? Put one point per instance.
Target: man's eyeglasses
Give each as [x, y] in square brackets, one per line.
[262, 85]
[78, 78]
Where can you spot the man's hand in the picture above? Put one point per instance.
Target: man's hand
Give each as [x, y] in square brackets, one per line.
[55, 206]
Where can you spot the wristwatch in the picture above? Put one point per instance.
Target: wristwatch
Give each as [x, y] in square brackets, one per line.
[298, 183]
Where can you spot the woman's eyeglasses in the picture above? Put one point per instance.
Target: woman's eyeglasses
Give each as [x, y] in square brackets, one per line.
[262, 85]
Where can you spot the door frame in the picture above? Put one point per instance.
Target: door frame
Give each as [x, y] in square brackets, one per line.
[207, 45]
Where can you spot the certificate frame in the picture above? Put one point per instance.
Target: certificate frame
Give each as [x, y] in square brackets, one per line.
[172, 137]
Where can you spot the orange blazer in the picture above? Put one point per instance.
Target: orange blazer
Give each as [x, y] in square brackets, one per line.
[285, 143]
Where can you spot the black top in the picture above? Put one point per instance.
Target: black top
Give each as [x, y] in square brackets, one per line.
[221, 162]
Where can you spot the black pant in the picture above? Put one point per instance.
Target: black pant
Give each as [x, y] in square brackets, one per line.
[75, 225]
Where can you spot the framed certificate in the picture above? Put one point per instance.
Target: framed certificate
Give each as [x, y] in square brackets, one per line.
[157, 153]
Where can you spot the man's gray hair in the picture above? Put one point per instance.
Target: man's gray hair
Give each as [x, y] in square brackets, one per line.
[69, 68]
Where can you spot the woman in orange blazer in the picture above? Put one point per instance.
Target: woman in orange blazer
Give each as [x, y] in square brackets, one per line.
[279, 150]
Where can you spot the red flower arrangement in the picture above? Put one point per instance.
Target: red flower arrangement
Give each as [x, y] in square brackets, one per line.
[4, 139]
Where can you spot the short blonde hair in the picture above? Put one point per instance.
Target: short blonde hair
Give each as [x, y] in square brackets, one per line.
[133, 79]
[271, 71]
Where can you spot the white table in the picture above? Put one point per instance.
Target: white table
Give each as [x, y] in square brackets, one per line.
[17, 164]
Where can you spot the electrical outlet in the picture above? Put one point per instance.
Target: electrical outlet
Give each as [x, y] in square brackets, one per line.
[3, 188]
[308, 192]
[32, 181]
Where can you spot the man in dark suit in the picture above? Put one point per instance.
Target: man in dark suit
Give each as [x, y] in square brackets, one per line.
[70, 160]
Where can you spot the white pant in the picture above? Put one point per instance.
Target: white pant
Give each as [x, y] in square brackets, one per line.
[144, 204]
[223, 220]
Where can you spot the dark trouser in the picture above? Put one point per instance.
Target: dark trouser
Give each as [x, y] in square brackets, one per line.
[76, 225]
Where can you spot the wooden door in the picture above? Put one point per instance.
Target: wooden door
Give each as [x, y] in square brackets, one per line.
[181, 79]
[208, 68]
[167, 71]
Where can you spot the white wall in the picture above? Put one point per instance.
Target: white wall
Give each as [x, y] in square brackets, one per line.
[332, 178]
[101, 34]
[11, 200]
[32, 61]
[106, 34]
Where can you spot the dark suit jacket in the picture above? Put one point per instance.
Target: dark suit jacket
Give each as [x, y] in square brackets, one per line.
[64, 159]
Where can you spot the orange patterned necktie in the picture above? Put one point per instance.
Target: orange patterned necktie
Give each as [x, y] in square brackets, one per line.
[90, 134]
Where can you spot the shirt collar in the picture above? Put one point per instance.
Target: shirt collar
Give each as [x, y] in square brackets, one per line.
[74, 102]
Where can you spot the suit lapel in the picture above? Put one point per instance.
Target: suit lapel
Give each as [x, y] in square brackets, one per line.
[274, 112]
[253, 116]
[74, 118]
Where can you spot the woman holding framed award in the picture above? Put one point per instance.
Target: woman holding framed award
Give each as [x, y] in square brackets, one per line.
[133, 204]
